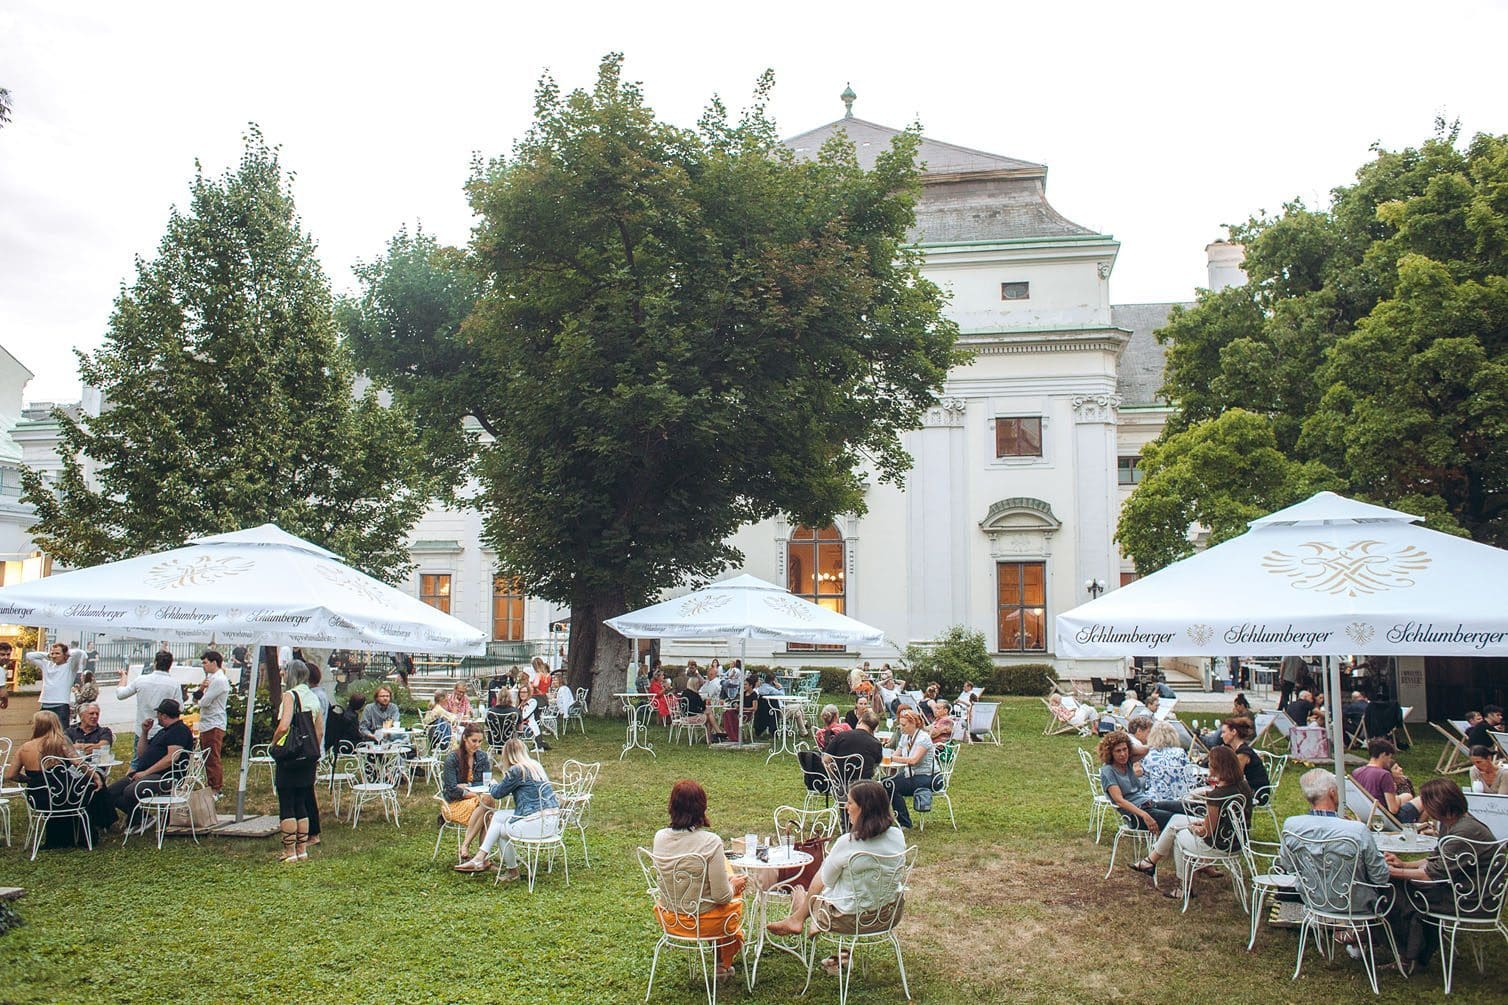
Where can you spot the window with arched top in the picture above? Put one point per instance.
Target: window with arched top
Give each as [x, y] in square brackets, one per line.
[815, 571]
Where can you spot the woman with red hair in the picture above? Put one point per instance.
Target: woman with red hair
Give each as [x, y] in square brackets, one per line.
[717, 907]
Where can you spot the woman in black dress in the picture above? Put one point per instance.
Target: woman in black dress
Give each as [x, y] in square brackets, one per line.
[49, 741]
[295, 779]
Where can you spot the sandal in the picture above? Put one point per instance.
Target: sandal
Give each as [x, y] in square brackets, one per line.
[471, 865]
[1176, 893]
[1146, 867]
[832, 964]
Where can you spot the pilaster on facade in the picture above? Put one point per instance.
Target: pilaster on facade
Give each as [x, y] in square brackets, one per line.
[1096, 408]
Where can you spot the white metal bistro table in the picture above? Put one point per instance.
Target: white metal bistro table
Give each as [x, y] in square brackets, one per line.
[787, 740]
[764, 876]
[639, 706]
[1406, 844]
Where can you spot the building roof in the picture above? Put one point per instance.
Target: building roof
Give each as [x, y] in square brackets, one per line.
[1143, 359]
[870, 138]
[967, 195]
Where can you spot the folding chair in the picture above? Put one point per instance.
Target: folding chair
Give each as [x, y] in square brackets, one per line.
[982, 719]
[1369, 811]
[1447, 764]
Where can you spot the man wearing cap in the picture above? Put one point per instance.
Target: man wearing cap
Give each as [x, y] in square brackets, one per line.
[151, 688]
[212, 715]
[159, 754]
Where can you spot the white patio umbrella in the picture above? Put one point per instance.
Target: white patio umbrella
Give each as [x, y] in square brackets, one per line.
[261, 586]
[1327, 576]
[745, 607]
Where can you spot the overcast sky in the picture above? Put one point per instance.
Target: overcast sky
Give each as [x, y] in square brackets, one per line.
[1159, 122]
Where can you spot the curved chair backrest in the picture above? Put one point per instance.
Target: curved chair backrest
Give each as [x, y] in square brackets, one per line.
[842, 772]
[1091, 772]
[881, 882]
[67, 784]
[582, 774]
[676, 883]
[1477, 872]
[805, 825]
[813, 774]
[5, 747]
[500, 728]
[1329, 875]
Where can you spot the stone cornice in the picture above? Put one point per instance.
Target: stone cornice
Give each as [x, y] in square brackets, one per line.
[1076, 340]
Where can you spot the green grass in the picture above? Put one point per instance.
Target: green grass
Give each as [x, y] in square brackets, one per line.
[1010, 907]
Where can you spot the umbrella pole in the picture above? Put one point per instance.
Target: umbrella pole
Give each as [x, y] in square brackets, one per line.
[743, 646]
[251, 705]
[1337, 727]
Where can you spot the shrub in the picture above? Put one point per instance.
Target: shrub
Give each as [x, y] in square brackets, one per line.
[1034, 679]
[834, 679]
[956, 656]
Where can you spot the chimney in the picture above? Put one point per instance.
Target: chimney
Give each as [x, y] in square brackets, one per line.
[1225, 260]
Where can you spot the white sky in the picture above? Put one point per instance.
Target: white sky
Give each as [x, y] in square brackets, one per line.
[1159, 122]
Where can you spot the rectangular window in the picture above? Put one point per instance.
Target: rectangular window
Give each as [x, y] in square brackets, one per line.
[1127, 578]
[434, 590]
[1015, 291]
[507, 609]
[1018, 437]
[1023, 606]
[1128, 470]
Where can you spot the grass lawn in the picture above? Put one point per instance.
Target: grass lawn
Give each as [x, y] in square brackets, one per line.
[1011, 907]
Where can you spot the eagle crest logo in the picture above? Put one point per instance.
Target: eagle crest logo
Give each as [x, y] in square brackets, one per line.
[1360, 632]
[707, 602]
[1200, 634]
[789, 605]
[1358, 569]
[175, 573]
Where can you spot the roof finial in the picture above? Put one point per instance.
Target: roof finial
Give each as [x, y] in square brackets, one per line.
[848, 97]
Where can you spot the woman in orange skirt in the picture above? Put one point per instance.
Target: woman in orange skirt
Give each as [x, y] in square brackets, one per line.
[715, 909]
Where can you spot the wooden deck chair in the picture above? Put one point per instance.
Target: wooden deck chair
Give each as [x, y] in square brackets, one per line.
[982, 716]
[1403, 722]
[1263, 725]
[1055, 725]
[1368, 810]
[1492, 810]
[1455, 757]
[1165, 709]
[1282, 725]
[1358, 737]
[1501, 739]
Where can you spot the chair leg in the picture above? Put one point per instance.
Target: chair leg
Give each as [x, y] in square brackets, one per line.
[1447, 953]
[1369, 957]
[1258, 899]
[901, 965]
[653, 963]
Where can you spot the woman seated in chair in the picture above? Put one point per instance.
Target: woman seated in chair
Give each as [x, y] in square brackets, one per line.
[1237, 733]
[49, 740]
[829, 725]
[466, 765]
[913, 748]
[1184, 836]
[1165, 769]
[657, 688]
[528, 714]
[849, 892]
[535, 812]
[717, 907]
[1127, 790]
[1488, 774]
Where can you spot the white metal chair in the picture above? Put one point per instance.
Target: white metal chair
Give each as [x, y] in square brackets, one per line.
[1469, 901]
[551, 825]
[337, 771]
[579, 779]
[261, 753]
[578, 709]
[1270, 875]
[1234, 812]
[65, 790]
[1265, 797]
[681, 720]
[867, 924]
[841, 773]
[804, 826]
[7, 792]
[945, 759]
[166, 795]
[1099, 804]
[1337, 897]
[378, 772]
[676, 879]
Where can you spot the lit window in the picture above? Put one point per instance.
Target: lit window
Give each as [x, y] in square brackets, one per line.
[507, 609]
[1128, 470]
[1015, 291]
[1023, 606]
[815, 572]
[434, 590]
[1018, 437]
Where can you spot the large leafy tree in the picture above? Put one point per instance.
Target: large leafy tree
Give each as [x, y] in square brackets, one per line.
[229, 398]
[1368, 353]
[677, 332]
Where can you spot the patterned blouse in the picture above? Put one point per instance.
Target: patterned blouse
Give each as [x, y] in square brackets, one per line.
[1164, 772]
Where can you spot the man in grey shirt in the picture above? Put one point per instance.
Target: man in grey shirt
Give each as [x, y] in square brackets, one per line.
[1324, 844]
[379, 714]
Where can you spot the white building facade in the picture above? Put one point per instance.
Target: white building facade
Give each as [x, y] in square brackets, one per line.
[1019, 472]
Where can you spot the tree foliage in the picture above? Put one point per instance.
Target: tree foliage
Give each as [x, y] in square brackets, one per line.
[1367, 354]
[958, 656]
[679, 332]
[228, 398]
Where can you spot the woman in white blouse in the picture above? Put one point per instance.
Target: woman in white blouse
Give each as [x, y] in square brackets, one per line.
[1165, 769]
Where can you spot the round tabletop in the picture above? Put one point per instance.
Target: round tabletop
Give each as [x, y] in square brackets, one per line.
[780, 858]
[1406, 844]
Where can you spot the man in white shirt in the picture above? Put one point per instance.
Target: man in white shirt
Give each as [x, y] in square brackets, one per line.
[212, 719]
[151, 688]
[58, 669]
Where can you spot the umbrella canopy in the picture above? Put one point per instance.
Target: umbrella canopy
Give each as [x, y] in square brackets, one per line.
[256, 585]
[745, 607]
[1329, 575]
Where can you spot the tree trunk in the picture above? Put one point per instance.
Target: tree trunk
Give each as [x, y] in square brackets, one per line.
[598, 656]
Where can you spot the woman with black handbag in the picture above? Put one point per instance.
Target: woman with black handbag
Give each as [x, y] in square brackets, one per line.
[295, 747]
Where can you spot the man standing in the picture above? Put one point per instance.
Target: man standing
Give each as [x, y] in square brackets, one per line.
[89, 736]
[1291, 670]
[159, 758]
[58, 668]
[212, 718]
[151, 688]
